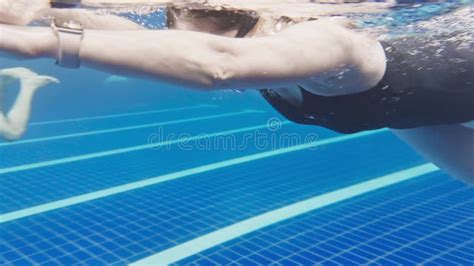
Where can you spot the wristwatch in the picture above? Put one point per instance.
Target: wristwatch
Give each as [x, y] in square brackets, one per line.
[70, 34]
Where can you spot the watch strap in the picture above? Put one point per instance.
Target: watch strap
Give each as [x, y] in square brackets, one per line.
[69, 44]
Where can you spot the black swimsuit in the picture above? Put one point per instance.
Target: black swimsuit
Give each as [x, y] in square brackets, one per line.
[423, 85]
[65, 3]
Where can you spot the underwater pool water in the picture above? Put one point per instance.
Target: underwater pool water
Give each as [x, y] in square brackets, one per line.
[116, 171]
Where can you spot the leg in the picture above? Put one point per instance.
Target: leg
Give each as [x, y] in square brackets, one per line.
[3, 85]
[14, 124]
[451, 147]
[469, 124]
[4, 126]
[5, 80]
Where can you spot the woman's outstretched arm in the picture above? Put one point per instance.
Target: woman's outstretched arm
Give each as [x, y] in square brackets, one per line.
[23, 12]
[316, 53]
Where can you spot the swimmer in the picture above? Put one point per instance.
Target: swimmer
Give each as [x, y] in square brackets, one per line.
[13, 124]
[334, 77]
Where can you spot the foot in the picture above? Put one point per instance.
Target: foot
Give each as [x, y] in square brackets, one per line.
[28, 78]
[9, 75]
[17, 72]
[38, 82]
[21, 12]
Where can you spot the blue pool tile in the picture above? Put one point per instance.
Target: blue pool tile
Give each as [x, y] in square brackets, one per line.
[388, 247]
[126, 227]
[11, 255]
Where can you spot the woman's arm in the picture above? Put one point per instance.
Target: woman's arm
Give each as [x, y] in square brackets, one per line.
[23, 12]
[89, 19]
[312, 52]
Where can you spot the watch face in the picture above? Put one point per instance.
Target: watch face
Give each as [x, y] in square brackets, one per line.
[73, 25]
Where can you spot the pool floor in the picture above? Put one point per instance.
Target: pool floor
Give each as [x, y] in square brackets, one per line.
[165, 186]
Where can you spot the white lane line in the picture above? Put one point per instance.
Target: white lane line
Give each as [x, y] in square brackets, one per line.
[253, 224]
[101, 154]
[167, 177]
[112, 130]
[79, 119]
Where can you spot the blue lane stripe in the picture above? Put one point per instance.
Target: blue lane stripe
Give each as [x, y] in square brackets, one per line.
[119, 129]
[168, 177]
[79, 119]
[94, 155]
[253, 224]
